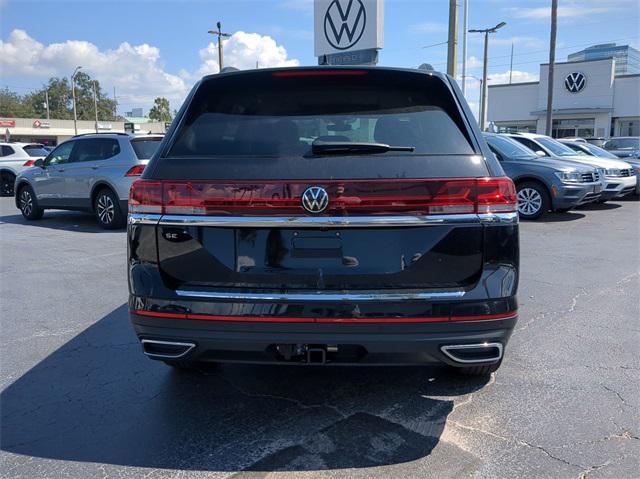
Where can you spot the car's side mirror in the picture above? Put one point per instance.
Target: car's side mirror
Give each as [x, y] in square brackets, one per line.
[540, 153]
[39, 163]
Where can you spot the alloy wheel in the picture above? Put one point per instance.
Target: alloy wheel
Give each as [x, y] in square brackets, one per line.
[6, 187]
[105, 209]
[26, 202]
[529, 201]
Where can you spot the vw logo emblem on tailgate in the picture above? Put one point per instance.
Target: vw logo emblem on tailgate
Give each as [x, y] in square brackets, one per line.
[575, 82]
[315, 199]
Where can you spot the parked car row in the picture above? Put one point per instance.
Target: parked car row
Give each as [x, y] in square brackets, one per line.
[94, 173]
[90, 173]
[14, 158]
[551, 175]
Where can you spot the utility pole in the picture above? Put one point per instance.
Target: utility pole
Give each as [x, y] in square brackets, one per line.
[464, 45]
[452, 49]
[552, 61]
[46, 101]
[115, 103]
[220, 35]
[511, 65]
[73, 96]
[95, 103]
[485, 63]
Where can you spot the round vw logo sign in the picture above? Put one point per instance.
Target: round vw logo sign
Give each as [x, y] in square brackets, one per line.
[315, 199]
[575, 82]
[344, 23]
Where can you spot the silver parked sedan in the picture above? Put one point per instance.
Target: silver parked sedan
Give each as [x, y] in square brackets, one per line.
[90, 173]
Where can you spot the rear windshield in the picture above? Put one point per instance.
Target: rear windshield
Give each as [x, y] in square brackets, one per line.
[35, 150]
[145, 148]
[271, 115]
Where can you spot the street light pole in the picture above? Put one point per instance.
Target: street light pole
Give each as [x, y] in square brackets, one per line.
[220, 34]
[485, 63]
[552, 61]
[95, 103]
[73, 95]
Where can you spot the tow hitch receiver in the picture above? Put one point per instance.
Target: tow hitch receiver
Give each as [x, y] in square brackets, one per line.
[305, 353]
[316, 355]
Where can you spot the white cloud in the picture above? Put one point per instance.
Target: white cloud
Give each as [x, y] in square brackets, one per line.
[517, 77]
[428, 27]
[242, 51]
[136, 71]
[522, 41]
[572, 9]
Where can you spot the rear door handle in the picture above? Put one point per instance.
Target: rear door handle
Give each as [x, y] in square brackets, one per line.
[60, 170]
[95, 167]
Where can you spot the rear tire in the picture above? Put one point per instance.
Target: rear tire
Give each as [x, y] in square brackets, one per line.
[7, 181]
[107, 209]
[28, 204]
[533, 200]
[483, 370]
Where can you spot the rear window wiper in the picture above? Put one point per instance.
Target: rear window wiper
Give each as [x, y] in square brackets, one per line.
[345, 147]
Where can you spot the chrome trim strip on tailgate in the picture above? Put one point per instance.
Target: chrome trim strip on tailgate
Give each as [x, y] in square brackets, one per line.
[320, 221]
[321, 296]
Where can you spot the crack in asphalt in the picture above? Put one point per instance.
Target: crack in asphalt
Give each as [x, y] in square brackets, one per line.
[297, 402]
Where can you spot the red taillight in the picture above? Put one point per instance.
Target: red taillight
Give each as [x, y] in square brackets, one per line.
[146, 197]
[319, 73]
[496, 195]
[29, 163]
[135, 170]
[347, 197]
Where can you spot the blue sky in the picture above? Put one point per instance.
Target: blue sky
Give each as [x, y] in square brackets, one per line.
[152, 48]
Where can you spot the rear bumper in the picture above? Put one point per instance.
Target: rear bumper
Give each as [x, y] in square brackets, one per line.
[352, 343]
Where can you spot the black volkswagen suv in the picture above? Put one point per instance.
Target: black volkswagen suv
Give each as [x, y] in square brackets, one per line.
[324, 216]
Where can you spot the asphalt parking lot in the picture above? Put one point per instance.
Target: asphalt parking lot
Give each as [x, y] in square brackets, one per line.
[79, 399]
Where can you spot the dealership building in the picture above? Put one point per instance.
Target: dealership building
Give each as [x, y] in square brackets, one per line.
[52, 132]
[589, 99]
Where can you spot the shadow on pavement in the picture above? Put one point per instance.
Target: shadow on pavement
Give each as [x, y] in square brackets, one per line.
[600, 206]
[99, 399]
[60, 220]
[554, 217]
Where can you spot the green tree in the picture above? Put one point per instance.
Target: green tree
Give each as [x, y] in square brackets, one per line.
[160, 111]
[12, 105]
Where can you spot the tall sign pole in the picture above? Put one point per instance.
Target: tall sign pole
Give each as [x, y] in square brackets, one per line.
[464, 45]
[552, 61]
[452, 51]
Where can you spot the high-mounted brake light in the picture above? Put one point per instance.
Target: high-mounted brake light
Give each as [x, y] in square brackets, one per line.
[412, 197]
[135, 170]
[29, 163]
[319, 73]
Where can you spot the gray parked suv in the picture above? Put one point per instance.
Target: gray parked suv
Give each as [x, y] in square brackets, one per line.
[544, 184]
[90, 173]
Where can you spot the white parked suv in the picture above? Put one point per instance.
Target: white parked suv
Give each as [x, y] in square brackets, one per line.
[619, 176]
[15, 157]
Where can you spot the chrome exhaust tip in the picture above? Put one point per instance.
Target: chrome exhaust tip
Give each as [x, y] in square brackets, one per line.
[165, 349]
[474, 353]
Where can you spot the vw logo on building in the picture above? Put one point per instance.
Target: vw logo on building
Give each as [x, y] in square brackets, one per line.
[575, 82]
[315, 199]
[344, 23]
